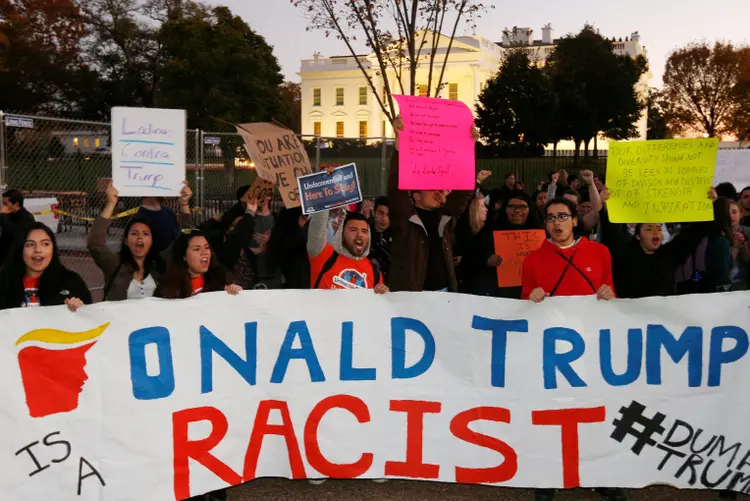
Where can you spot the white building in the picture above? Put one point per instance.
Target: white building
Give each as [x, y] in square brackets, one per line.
[337, 101]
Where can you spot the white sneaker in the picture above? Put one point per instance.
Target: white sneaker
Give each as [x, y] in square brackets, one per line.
[380, 480]
[317, 481]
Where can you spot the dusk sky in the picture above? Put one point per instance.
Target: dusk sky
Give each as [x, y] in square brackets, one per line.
[663, 24]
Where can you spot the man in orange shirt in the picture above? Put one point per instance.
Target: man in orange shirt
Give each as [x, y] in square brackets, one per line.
[345, 264]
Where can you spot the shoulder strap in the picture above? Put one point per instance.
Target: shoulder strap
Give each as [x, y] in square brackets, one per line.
[562, 275]
[375, 271]
[326, 268]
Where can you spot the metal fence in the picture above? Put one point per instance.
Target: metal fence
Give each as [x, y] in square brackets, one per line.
[63, 166]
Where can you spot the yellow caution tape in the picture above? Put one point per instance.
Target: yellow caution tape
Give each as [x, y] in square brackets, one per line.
[74, 216]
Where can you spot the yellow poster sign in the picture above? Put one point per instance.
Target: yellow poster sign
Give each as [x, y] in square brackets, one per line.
[664, 181]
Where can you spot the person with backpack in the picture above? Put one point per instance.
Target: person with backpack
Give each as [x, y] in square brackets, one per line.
[345, 263]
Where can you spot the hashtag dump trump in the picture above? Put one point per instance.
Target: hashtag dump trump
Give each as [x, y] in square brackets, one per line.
[164, 400]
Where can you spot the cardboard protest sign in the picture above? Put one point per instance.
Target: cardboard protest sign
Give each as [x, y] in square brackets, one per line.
[321, 192]
[733, 166]
[260, 189]
[279, 157]
[664, 181]
[513, 247]
[436, 150]
[163, 400]
[148, 151]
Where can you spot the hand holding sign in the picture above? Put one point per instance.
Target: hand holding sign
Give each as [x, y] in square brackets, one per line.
[436, 144]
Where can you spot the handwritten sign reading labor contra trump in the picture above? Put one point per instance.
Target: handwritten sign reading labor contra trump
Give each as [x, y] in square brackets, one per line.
[664, 181]
[436, 149]
[148, 151]
[166, 399]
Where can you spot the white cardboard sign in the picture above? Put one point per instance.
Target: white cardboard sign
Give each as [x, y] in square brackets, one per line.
[733, 166]
[148, 151]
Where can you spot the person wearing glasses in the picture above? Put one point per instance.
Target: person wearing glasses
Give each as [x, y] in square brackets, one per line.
[566, 265]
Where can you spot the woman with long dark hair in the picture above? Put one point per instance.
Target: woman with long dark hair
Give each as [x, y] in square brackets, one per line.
[719, 248]
[134, 271]
[193, 269]
[33, 275]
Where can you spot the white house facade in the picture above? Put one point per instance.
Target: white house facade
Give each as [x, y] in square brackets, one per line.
[338, 102]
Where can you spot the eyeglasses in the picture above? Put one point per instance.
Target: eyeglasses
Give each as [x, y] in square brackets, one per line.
[551, 218]
[519, 208]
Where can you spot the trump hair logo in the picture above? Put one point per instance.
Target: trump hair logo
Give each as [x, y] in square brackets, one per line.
[53, 368]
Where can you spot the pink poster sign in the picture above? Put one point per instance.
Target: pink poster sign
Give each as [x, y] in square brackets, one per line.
[436, 149]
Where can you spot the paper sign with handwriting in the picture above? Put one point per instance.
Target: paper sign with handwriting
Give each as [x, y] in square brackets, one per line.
[513, 247]
[664, 181]
[436, 150]
[260, 189]
[279, 157]
[148, 151]
[733, 166]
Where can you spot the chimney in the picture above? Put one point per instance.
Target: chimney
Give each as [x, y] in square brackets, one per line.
[547, 34]
[635, 36]
[316, 55]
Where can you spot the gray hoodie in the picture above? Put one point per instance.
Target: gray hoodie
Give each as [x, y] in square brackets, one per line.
[317, 238]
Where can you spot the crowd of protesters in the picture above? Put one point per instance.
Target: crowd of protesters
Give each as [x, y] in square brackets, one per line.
[428, 240]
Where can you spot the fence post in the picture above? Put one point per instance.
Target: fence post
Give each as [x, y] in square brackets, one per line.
[196, 165]
[383, 161]
[317, 153]
[2, 151]
[201, 159]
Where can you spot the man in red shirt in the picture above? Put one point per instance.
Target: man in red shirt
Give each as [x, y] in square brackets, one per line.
[565, 265]
[345, 264]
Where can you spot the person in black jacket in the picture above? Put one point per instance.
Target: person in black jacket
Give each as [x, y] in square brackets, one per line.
[287, 248]
[34, 276]
[642, 266]
[13, 219]
[231, 238]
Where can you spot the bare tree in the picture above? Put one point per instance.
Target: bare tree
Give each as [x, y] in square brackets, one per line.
[707, 89]
[403, 35]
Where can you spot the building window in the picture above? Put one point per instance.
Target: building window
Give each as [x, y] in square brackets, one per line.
[339, 130]
[339, 96]
[363, 96]
[362, 130]
[385, 95]
[423, 90]
[382, 128]
[85, 142]
[316, 128]
[97, 142]
[316, 97]
[453, 91]
[75, 142]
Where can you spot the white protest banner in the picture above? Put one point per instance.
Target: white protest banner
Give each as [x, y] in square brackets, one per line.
[162, 400]
[733, 166]
[148, 151]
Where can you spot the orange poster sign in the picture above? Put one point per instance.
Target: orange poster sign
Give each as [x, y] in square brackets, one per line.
[513, 247]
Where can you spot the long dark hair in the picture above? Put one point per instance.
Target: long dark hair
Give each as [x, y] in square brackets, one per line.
[532, 220]
[175, 283]
[722, 224]
[153, 259]
[14, 269]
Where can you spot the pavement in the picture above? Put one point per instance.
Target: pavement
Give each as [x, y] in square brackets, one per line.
[364, 490]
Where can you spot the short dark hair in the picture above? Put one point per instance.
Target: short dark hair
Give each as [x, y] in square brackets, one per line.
[561, 201]
[14, 196]
[380, 201]
[510, 174]
[746, 188]
[572, 178]
[354, 216]
[726, 190]
[571, 191]
[242, 190]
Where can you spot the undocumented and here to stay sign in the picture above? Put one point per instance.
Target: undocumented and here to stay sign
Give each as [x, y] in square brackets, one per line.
[148, 151]
[320, 191]
[161, 400]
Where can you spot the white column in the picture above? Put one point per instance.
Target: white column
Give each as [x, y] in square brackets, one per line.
[374, 129]
[477, 81]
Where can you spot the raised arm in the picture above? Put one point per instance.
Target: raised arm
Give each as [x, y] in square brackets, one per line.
[317, 233]
[591, 219]
[103, 257]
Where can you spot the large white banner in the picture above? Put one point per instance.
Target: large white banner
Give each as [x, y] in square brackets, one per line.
[161, 400]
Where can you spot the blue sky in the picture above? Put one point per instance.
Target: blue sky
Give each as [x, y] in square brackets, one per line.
[663, 24]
